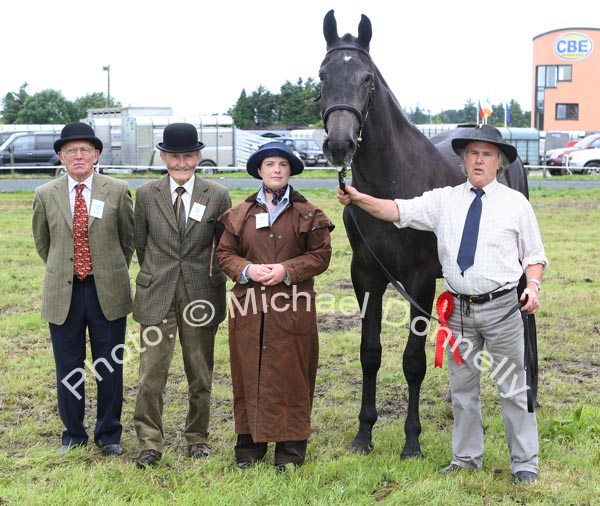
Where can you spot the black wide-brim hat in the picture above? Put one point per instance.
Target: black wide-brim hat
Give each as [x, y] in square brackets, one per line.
[180, 138]
[485, 133]
[273, 149]
[77, 132]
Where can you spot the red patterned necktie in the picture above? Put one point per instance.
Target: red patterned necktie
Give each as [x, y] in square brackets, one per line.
[83, 259]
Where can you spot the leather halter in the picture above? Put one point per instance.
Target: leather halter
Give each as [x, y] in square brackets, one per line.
[362, 118]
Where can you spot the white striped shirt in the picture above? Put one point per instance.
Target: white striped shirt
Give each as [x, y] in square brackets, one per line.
[509, 237]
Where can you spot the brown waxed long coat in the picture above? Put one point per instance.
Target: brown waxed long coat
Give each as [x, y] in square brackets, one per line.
[273, 339]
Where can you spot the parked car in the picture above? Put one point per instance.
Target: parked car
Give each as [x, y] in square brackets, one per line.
[556, 158]
[307, 150]
[584, 161]
[30, 149]
[5, 134]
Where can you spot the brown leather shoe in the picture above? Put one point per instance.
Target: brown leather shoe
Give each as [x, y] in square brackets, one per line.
[148, 458]
[198, 451]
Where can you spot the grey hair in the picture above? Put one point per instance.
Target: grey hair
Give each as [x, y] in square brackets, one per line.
[504, 163]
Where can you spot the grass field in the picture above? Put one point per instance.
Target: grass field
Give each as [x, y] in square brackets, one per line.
[32, 473]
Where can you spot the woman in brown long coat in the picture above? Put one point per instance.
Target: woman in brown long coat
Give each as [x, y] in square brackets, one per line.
[273, 245]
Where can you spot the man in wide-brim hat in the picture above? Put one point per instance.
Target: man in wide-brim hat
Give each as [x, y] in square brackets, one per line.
[487, 237]
[180, 289]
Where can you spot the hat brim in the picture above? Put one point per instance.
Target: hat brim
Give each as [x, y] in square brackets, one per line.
[59, 143]
[460, 143]
[184, 149]
[256, 159]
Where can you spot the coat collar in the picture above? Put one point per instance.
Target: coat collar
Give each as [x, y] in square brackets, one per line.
[165, 202]
[295, 196]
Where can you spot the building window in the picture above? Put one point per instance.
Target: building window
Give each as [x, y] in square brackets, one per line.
[550, 75]
[565, 72]
[567, 111]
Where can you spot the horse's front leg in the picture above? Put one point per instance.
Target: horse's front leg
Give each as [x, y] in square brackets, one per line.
[414, 365]
[370, 360]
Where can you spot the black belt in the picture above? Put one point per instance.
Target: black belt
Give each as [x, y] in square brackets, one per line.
[481, 299]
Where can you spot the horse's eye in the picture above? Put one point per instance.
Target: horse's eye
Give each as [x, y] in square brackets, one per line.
[368, 78]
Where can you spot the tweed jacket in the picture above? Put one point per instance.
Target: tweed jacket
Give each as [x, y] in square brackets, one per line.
[111, 246]
[162, 255]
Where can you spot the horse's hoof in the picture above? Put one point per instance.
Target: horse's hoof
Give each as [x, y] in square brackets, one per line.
[411, 453]
[360, 447]
[448, 397]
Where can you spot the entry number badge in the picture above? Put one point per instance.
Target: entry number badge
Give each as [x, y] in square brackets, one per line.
[262, 220]
[97, 208]
[197, 211]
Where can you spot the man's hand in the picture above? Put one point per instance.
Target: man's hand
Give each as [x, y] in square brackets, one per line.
[533, 303]
[345, 196]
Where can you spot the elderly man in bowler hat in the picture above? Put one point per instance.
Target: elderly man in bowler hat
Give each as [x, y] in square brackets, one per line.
[180, 289]
[83, 231]
[487, 236]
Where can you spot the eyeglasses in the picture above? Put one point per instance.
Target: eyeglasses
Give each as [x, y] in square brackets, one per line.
[85, 151]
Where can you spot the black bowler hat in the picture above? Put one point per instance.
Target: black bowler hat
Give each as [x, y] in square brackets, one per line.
[485, 133]
[180, 138]
[77, 132]
[273, 149]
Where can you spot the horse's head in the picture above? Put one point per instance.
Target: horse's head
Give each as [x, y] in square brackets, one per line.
[347, 85]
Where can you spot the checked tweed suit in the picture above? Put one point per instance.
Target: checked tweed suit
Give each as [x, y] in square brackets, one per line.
[175, 272]
[97, 304]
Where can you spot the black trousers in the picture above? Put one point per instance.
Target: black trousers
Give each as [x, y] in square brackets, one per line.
[286, 452]
[69, 345]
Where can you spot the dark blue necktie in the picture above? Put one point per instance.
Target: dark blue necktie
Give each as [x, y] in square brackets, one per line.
[468, 243]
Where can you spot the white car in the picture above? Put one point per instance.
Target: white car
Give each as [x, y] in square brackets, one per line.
[584, 161]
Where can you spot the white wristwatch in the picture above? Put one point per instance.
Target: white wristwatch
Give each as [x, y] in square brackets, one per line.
[536, 282]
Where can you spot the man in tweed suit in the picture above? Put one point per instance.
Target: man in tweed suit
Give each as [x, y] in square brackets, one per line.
[180, 289]
[98, 299]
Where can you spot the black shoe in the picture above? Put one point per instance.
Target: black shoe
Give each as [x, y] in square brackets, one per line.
[112, 449]
[525, 477]
[454, 467]
[148, 458]
[280, 468]
[198, 451]
[70, 446]
[244, 464]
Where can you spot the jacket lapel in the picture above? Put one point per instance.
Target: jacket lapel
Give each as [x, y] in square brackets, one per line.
[165, 203]
[99, 192]
[63, 203]
[199, 196]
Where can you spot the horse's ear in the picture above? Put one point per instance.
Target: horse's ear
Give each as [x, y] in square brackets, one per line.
[364, 31]
[330, 29]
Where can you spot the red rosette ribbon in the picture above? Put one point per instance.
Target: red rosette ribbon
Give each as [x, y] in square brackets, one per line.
[444, 307]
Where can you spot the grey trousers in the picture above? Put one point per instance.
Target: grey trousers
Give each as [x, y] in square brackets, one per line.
[505, 363]
[156, 354]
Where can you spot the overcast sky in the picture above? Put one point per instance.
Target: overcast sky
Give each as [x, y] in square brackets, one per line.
[197, 56]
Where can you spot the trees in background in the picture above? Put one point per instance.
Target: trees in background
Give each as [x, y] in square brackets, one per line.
[48, 107]
[296, 105]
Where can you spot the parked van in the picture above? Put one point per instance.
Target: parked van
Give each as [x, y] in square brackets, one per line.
[29, 150]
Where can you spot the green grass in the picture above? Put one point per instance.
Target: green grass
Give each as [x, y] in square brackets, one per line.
[32, 473]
